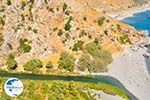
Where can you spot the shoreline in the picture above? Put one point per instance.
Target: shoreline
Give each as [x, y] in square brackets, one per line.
[131, 69]
[130, 13]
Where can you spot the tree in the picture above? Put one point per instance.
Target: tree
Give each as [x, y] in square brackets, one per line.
[33, 65]
[1, 40]
[84, 62]
[24, 46]
[8, 2]
[67, 25]
[11, 62]
[60, 32]
[97, 65]
[78, 46]
[49, 65]
[101, 21]
[92, 48]
[66, 62]
[99, 58]
[65, 7]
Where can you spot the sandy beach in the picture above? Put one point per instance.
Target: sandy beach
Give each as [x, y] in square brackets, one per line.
[131, 12]
[131, 69]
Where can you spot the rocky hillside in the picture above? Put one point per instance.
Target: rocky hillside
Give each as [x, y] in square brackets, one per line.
[117, 7]
[54, 34]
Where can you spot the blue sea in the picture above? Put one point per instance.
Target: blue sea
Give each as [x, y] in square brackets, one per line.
[140, 21]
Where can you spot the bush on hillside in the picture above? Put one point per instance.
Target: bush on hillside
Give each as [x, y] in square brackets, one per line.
[33, 65]
[11, 62]
[49, 65]
[24, 46]
[66, 62]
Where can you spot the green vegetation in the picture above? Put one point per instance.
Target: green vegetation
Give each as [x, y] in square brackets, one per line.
[1, 40]
[8, 2]
[107, 89]
[60, 90]
[84, 62]
[24, 46]
[2, 21]
[85, 18]
[51, 10]
[23, 4]
[60, 32]
[33, 65]
[2, 9]
[92, 48]
[49, 65]
[118, 27]
[55, 29]
[35, 30]
[10, 46]
[11, 62]
[46, 1]
[31, 1]
[124, 39]
[78, 46]
[101, 20]
[68, 25]
[66, 62]
[22, 17]
[82, 33]
[64, 7]
[100, 58]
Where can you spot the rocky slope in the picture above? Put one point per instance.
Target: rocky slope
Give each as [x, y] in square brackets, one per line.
[44, 29]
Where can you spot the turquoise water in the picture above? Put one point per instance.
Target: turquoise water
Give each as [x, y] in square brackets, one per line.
[140, 21]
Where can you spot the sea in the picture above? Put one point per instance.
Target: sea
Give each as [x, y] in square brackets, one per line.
[140, 20]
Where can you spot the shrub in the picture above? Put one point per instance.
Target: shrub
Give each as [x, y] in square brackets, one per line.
[101, 20]
[100, 58]
[49, 65]
[11, 62]
[66, 62]
[1, 39]
[97, 65]
[33, 65]
[78, 46]
[51, 10]
[60, 32]
[2, 21]
[82, 33]
[35, 30]
[23, 4]
[24, 46]
[84, 62]
[96, 41]
[8, 2]
[92, 48]
[31, 1]
[67, 25]
[124, 39]
[85, 18]
[65, 7]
